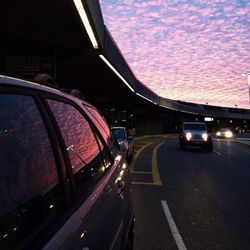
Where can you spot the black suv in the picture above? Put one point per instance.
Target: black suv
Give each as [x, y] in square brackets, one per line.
[64, 184]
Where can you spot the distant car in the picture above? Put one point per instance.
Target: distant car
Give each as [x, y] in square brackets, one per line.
[195, 134]
[224, 133]
[64, 183]
[125, 140]
[239, 130]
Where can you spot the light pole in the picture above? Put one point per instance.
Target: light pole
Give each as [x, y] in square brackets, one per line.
[248, 79]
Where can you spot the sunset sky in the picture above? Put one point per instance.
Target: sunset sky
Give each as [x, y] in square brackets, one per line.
[185, 50]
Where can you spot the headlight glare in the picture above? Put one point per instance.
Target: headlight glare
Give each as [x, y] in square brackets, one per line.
[188, 136]
[204, 136]
[228, 134]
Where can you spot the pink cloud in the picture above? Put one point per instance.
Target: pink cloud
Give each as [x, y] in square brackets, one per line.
[185, 52]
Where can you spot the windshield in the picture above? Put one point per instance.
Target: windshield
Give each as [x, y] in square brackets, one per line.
[119, 133]
[224, 129]
[193, 126]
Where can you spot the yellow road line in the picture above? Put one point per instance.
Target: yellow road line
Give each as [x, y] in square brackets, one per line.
[140, 172]
[145, 183]
[132, 165]
[155, 170]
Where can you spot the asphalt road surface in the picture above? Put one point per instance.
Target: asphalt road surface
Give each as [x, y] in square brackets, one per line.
[191, 199]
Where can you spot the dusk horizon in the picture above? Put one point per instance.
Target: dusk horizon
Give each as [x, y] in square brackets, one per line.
[193, 51]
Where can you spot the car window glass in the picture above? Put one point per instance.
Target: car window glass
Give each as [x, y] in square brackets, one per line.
[84, 152]
[29, 183]
[103, 127]
[119, 134]
[190, 126]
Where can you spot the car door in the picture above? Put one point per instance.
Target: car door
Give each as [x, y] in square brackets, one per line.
[98, 220]
[32, 201]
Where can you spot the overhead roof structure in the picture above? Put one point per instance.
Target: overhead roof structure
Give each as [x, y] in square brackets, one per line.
[113, 55]
[86, 55]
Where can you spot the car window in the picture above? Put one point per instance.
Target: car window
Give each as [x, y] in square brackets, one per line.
[225, 129]
[102, 127]
[30, 193]
[88, 157]
[193, 126]
[119, 134]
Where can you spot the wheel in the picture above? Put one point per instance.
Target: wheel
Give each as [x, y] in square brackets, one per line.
[127, 156]
[210, 147]
[130, 240]
[182, 147]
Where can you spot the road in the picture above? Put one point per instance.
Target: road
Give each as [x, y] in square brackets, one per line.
[191, 199]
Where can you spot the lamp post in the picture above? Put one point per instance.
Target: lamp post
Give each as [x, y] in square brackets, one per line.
[248, 79]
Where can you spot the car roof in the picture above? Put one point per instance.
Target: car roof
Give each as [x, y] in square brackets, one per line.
[118, 127]
[194, 123]
[12, 81]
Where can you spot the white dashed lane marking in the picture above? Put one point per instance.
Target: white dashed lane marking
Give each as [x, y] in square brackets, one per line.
[218, 153]
[175, 232]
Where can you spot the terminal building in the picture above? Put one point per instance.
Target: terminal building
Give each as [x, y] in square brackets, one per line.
[68, 41]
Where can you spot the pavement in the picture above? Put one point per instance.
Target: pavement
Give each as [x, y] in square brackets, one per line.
[242, 141]
[191, 199]
[242, 138]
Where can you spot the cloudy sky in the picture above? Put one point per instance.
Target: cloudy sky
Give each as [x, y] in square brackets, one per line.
[190, 50]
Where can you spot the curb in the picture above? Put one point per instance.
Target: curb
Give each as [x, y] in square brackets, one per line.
[243, 143]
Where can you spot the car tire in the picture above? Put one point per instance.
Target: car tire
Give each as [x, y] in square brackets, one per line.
[128, 157]
[210, 148]
[182, 147]
[130, 239]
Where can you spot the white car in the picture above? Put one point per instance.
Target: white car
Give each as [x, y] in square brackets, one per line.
[195, 134]
[224, 133]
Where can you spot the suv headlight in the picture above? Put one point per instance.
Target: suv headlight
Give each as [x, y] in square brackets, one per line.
[228, 134]
[204, 136]
[218, 133]
[188, 136]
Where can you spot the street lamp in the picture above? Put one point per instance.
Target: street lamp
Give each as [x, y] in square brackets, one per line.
[248, 79]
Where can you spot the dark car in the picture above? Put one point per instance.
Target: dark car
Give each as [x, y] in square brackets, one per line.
[64, 183]
[125, 140]
[195, 134]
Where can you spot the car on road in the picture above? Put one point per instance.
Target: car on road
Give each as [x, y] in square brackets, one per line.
[224, 133]
[125, 140]
[195, 134]
[64, 183]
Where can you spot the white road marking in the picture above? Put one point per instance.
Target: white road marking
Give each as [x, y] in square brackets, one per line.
[177, 237]
[218, 153]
